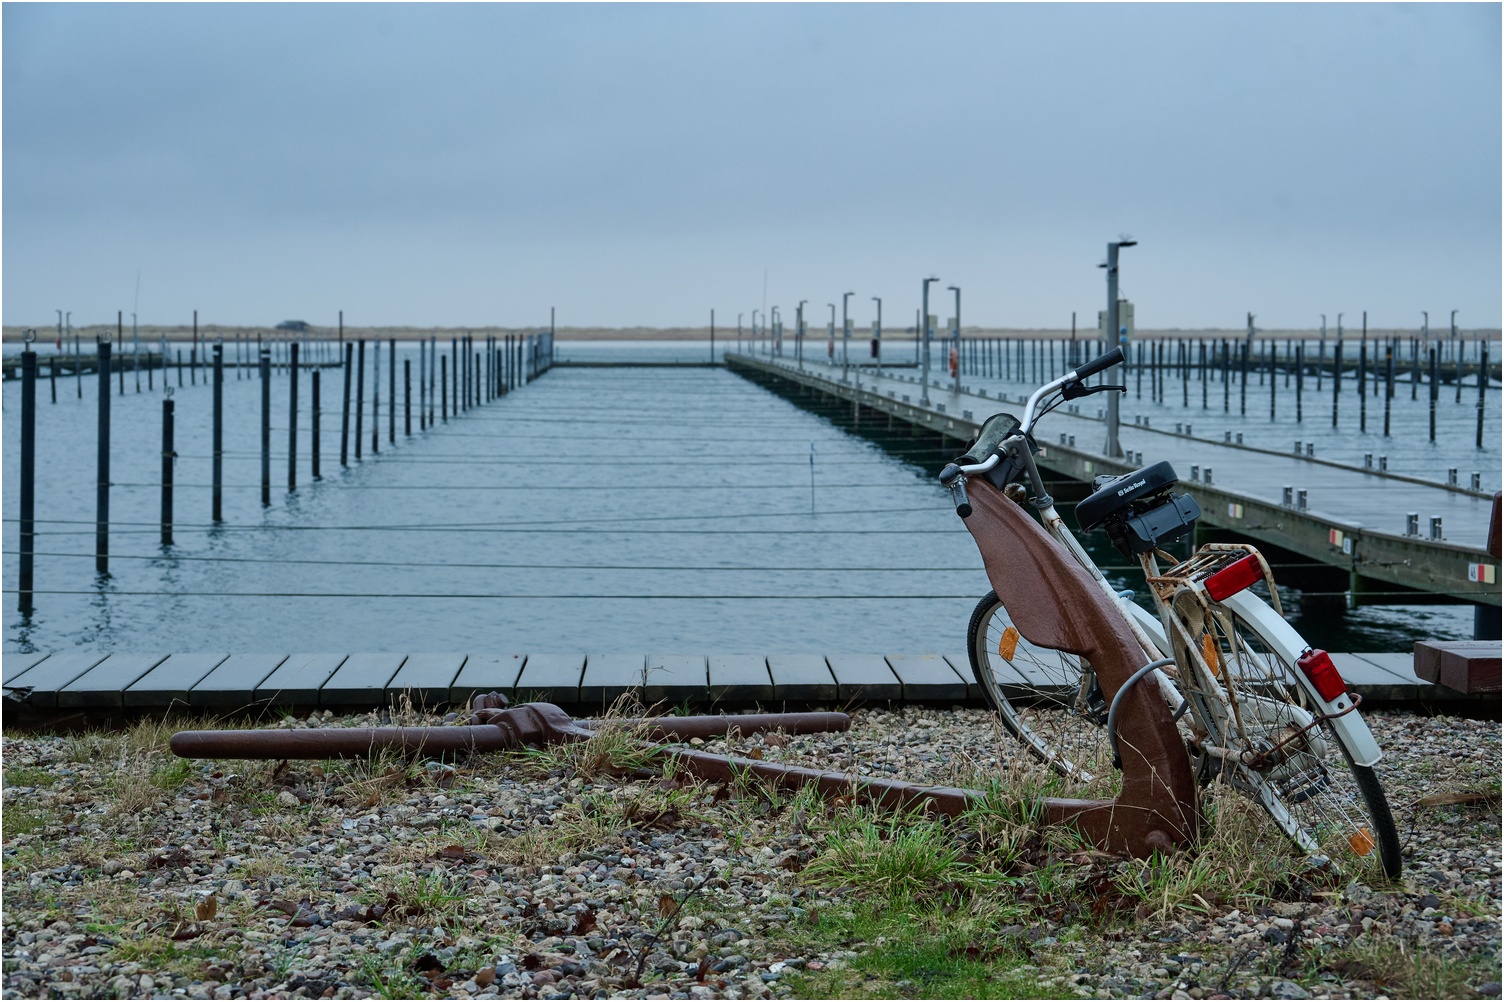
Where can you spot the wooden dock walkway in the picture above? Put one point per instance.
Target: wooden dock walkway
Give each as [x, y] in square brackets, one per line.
[219, 682]
[1354, 519]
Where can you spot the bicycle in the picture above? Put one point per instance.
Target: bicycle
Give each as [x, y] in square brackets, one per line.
[1255, 705]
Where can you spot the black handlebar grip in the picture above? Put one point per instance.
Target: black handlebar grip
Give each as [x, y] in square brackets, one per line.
[951, 469]
[1103, 361]
[958, 495]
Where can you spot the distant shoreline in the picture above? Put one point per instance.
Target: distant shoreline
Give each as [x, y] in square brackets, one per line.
[208, 333]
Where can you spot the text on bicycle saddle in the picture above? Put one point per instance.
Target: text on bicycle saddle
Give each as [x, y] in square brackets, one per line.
[1139, 510]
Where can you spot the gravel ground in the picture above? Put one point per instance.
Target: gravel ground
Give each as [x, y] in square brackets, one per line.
[128, 873]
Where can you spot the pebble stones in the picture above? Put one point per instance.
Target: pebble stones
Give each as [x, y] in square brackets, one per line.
[131, 874]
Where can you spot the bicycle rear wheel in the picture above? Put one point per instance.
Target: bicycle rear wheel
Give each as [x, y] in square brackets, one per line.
[1046, 698]
[1303, 774]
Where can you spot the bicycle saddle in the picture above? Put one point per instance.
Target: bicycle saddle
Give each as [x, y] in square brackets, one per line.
[1113, 494]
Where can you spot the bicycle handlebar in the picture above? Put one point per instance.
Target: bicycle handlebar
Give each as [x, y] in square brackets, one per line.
[1104, 361]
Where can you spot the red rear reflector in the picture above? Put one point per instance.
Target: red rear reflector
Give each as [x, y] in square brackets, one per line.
[1323, 674]
[1234, 577]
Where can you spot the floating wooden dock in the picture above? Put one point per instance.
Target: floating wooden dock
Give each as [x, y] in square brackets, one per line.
[219, 682]
[1354, 520]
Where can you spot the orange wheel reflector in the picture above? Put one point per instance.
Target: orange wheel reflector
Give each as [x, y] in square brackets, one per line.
[1008, 644]
[1361, 841]
[1210, 654]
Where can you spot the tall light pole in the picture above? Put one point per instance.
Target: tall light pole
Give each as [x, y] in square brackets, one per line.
[799, 331]
[924, 339]
[955, 335]
[1115, 336]
[845, 337]
[877, 335]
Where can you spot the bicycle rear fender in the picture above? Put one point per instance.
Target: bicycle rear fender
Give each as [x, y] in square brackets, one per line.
[1351, 728]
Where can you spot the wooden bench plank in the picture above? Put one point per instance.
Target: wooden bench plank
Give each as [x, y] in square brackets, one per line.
[46, 678]
[673, 678]
[483, 673]
[297, 680]
[105, 683]
[14, 665]
[172, 680]
[864, 676]
[608, 677]
[1469, 666]
[425, 678]
[739, 678]
[551, 678]
[928, 677]
[802, 678]
[361, 680]
[233, 683]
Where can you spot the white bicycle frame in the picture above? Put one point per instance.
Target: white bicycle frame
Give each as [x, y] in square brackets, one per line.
[1282, 639]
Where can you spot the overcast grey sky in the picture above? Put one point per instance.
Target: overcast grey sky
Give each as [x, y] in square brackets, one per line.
[640, 164]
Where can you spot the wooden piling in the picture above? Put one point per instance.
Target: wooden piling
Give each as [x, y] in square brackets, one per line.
[179, 353]
[1336, 379]
[313, 424]
[217, 442]
[1363, 385]
[52, 377]
[1273, 378]
[1300, 379]
[407, 396]
[444, 388]
[120, 339]
[360, 392]
[422, 385]
[1482, 386]
[391, 423]
[1388, 382]
[168, 456]
[28, 474]
[102, 491]
[266, 427]
[292, 417]
[1243, 381]
[376, 399]
[1433, 392]
[344, 423]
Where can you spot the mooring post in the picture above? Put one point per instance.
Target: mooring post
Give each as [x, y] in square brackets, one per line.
[266, 426]
[1300, 378]
[1482, 385]
[1414, 368]
[454, 366]
[391, 423]
[444, 387]
[102, 493]
[292, 417]
[344, 422]
[313, 424]
[376, 398]
[1432, 394]
[1336, 379]
[1388, 382]
[1363, 385]
[217, 444]
[1243, 381]
[193, 352]
[360, 392]
[407, 396]
[1273, 380]
[120, 337]
[28, 467]
[422, 385]
[433, 375]
[476, 396]
[168, 455]
[52, 377]
[178, 354]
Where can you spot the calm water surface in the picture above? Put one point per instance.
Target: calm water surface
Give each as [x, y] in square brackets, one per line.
[594, 510]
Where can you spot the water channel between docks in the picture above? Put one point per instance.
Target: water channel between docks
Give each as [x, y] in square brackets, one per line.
[591, 510]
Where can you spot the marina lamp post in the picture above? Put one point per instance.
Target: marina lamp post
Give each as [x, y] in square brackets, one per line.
[775, 341]
[845, 337]
[924, 339]
[955, 337]
[877, 335]
[1115, 337]
[799, 331]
